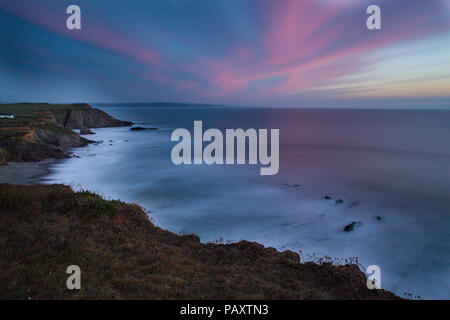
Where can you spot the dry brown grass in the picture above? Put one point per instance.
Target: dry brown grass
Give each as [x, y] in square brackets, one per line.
[122, 255]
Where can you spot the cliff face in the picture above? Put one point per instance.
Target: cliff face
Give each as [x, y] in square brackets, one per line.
[85, 116]
[39, 144]
[122, 255]
[57, 139]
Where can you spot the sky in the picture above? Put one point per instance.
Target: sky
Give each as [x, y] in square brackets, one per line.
[275, 53]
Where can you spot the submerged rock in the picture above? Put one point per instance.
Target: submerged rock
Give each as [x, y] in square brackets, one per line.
[378, 218]
[327, 198]
[339, 201]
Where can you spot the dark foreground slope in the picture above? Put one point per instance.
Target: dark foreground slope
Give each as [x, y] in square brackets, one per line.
[44, 229]
[39, 131]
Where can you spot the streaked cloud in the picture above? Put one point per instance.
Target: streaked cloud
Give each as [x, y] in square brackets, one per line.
[260, 52]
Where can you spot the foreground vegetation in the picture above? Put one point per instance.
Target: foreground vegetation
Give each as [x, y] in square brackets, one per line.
[122, 255]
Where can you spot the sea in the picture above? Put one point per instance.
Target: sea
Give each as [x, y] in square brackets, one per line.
[390, 168]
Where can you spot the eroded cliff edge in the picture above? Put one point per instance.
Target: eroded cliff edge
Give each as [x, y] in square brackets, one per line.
[122, 255]
[38, 131]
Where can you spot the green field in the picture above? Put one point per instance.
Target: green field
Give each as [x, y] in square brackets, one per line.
[27, 115]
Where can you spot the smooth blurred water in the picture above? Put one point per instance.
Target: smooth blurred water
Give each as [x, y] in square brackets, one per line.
[393, 164]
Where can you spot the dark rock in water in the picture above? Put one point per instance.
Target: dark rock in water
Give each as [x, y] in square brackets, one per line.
[295, 185]
[339, 201]
[142, 128]
[378, 218]
[327, 197]
[86, 130]
[351, 226]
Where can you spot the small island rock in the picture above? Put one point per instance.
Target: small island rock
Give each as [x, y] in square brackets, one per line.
[142, 128]
[86, 130]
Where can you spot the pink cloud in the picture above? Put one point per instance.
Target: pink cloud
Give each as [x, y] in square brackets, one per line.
[299, 46]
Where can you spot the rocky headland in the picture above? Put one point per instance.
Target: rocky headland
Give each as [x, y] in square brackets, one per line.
[40, 131]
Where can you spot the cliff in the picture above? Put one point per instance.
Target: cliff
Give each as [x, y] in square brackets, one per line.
[122, 255]
[39, 130]
[84, 115]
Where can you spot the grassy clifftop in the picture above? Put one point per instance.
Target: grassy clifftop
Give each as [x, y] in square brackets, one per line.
[44, 229]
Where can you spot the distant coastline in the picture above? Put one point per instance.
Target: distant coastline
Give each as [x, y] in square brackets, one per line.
[160, 104]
